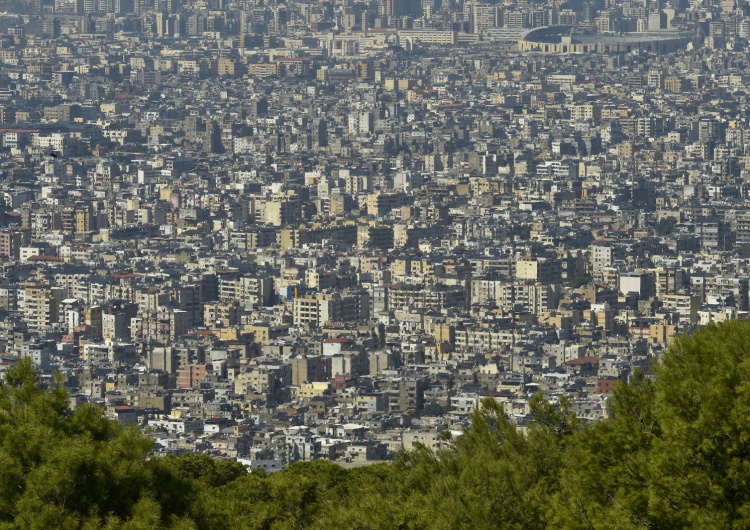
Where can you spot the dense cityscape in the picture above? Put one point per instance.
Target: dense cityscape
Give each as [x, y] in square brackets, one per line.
[279, 232]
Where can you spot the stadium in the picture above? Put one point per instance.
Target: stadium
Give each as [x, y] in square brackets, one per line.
[562, 39]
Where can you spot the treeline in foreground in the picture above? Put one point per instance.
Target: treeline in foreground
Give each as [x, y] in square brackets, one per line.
[675, 454]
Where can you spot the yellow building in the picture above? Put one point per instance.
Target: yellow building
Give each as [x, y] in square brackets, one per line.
[39, 305]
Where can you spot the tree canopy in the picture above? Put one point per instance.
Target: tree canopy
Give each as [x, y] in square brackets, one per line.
[675, 453]
[665, 226]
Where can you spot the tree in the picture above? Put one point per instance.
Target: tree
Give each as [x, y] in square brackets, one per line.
[701, 462]
[676, 452]
[62, 469]
[665, 226]
[603, 477]
[580, 281]
[432, 408]
[493, 476]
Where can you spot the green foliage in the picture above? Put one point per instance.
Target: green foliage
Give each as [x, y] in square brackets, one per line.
[665, 226]
[675, 453]
[603, 476]
[433, 409]
[580, 281]
[59, 469]
[702, 402]
[558, 422]
[204, 469]
[22, 174]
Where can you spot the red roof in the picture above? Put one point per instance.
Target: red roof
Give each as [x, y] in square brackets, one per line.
[128, 275]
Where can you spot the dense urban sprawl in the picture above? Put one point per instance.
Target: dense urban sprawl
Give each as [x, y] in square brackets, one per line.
[278, 232]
